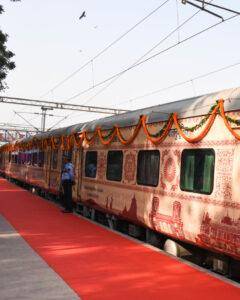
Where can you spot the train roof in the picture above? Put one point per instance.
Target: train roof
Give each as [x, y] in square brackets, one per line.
[191, 107]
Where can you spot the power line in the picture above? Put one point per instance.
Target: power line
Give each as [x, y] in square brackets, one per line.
[146, 53]
[106, 48]
[180, 83]
[138, 60]
[150, 58]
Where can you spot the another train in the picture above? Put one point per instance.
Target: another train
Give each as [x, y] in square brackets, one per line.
[169, 174]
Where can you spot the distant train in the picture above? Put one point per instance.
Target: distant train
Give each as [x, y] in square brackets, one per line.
[169, 174]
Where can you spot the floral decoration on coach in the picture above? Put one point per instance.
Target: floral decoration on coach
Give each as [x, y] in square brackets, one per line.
[130, 166]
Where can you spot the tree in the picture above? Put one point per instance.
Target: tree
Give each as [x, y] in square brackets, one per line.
[6, 64]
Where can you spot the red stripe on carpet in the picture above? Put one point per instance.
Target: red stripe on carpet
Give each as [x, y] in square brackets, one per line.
[99, 264]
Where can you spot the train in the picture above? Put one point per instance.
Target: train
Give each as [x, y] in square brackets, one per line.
[167, 174]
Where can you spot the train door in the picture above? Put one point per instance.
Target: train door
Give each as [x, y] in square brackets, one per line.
[79, 153]
[55, 171]
[72, 156]
[75, 163]
[47, 167]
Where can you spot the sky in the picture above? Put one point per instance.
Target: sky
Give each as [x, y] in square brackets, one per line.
[50, 43]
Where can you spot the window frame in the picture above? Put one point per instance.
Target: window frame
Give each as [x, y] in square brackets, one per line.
[41, 159]
[85, 165]
[107, 168]
[195, 191]
[138, 167]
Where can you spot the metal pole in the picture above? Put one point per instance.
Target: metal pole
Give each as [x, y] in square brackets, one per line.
[43, 123]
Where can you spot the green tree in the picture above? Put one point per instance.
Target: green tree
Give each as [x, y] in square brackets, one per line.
[6, 64]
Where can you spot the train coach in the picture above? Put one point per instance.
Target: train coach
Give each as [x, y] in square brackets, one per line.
[169, 174]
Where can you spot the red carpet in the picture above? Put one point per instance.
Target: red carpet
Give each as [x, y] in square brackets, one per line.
[99, 264]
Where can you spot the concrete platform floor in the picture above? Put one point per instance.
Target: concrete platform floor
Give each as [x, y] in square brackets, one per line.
[24, 274]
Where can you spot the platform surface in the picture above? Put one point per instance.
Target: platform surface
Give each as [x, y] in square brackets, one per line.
[94, 262]
[24, 274]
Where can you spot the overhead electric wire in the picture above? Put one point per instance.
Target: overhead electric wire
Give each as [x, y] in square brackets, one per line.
[146, 53]
[163, 89]
[149, 58]
[105, 49]
[180, 83]
[138, 60]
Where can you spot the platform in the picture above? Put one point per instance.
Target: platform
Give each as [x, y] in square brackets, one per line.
[63, 256]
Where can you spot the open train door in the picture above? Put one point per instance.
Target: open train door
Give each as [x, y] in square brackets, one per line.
[75, 155]
[46, 168]
[79, 164]
[55, 171]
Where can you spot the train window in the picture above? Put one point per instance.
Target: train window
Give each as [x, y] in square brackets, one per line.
[148, 167]
[20, 157]
[29, 158]
[54, 159]
[114, 165]
[14, 158]
[41, 159]
[34, 158]
[91, 164]
[197, 170]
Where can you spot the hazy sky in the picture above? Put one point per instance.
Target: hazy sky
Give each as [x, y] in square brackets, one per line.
[50, 43]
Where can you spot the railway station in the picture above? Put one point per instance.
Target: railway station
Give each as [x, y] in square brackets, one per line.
[121, 180]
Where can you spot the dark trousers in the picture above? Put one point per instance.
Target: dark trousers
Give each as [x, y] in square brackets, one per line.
[67, 194]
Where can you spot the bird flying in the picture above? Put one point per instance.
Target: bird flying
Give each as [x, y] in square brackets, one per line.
[82, 15]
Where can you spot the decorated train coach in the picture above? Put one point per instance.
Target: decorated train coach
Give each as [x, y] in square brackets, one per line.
[168, 173]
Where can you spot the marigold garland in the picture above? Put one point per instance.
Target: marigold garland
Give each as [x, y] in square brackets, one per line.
[107, 139]
[201, 123]
[205, 131]
[67, 142]
[225, 119]
[132, 138]
[159, 136]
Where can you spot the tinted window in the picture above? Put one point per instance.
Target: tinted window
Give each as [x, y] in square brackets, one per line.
[148, 167]
[14, 158]
[29, 158]
[34, 158]
[41, 159]
[91, 164]
[114, 165]
[197, 170]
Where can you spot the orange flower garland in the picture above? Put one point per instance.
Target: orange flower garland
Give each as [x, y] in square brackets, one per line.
[67, 142]
[203, 133]
[222, 113]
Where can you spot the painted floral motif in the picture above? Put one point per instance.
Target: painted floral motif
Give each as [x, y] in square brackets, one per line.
[169, 169]
[102, 161]
[169, 179]
[129, 167]
[224, 163]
